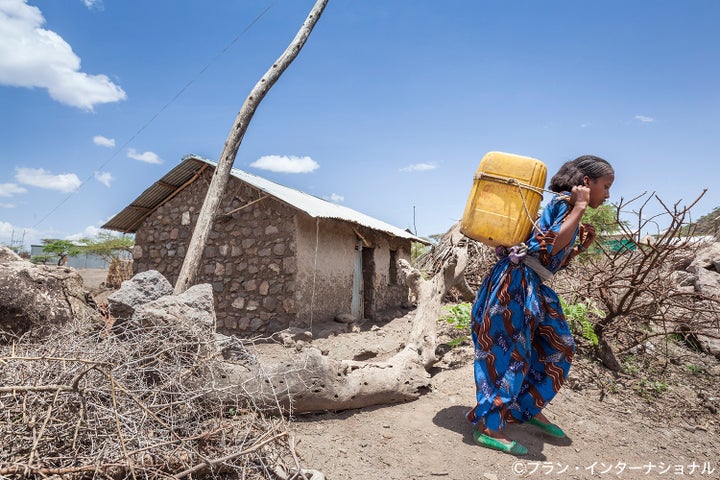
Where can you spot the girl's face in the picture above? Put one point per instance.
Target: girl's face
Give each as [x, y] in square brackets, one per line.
[599, 189]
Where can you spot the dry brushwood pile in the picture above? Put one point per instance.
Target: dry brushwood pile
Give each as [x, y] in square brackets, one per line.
[136, 401]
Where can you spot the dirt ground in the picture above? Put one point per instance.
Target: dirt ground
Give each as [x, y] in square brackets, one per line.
[623, 435]
[622, 427]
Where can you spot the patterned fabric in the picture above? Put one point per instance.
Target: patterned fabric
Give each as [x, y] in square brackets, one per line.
[523, 345]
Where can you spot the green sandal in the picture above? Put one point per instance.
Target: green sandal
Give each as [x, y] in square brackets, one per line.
[486, 441]
[549, 428]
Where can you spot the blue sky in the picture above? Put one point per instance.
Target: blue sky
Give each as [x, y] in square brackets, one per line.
[388, 109]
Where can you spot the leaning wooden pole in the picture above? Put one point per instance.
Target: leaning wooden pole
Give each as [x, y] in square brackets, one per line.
[191, 264]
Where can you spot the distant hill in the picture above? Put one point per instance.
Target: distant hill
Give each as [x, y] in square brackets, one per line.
[708, 224]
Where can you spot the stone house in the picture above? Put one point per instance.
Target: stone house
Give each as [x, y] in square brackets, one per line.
[276, 257]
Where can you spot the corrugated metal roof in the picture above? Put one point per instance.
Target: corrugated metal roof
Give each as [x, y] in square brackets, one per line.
[191, 166]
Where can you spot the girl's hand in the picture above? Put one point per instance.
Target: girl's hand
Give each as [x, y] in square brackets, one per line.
[586, 234]
[580, 196]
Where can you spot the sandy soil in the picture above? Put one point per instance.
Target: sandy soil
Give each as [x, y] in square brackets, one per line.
[624, 435]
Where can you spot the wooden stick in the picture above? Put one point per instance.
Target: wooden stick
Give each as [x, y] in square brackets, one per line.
[229, 457]
[220, 178]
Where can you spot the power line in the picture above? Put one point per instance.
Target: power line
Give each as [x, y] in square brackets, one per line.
[157, 114]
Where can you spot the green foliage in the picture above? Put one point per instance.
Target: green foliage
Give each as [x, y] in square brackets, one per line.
[52, 245]
[459, 315]
[577, 315]
[108, 246]
[706, 225]
[694, 369]
[651, 389]
[604, 219]
[43, 259]
[630, 365]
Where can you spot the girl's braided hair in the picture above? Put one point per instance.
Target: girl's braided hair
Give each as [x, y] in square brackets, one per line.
[573, 172]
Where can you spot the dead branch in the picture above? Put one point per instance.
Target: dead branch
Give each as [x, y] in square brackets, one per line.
[142, 400]
[637, 289]
[221, 175]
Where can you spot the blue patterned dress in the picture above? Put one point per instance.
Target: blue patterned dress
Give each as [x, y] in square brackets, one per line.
[523, 345]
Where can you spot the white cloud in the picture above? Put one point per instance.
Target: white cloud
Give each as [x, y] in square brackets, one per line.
[7, 205]
[644, 119]
[10, 189]
[286, 164]
[12, 233]
[93, 4]
[31, 56]
[104, 177]
[103, 141]
[6, 230]
[38, 177]
[418, 167]
[335, 198]
[147, 157]
[90, 231]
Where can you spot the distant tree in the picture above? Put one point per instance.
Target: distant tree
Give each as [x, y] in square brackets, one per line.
[108, 246]
[706, 225]
[42, 259]
[604, 219]
[53, 245]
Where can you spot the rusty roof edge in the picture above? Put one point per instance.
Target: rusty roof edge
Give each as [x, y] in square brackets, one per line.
[163, 183]
[315, 206]
[310, 204]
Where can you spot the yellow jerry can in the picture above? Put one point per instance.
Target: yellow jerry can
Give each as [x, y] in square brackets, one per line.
[504, 199]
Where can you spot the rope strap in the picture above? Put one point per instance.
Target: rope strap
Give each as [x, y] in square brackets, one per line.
[521, 186]
[518, 253]
[510, 181]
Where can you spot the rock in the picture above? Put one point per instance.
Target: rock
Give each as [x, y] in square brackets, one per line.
[139, 290]
[683, 278]
[37, 296]
[193, 307]
[293, 335]
[707, 258]
[190, 314]
[365, 354]
[345, 318]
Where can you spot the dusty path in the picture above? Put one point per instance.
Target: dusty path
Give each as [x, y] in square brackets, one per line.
[429, 438]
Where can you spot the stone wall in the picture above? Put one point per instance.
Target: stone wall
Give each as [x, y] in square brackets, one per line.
[261, 260]
[249, 259]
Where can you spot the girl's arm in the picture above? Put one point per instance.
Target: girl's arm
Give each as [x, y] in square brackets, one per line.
[579, 198]
[586, 236]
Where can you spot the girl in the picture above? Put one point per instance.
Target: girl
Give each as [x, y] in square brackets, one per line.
[523, 345]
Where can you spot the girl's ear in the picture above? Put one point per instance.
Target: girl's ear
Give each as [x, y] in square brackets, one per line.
[586, 181]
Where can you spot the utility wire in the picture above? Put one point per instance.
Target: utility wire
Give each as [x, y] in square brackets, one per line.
[157, 114]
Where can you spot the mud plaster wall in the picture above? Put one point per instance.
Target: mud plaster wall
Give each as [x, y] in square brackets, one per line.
[332, 283]
[327, 292]
[249, 259]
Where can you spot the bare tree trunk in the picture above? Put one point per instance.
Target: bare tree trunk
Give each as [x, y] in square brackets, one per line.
[314, 382]
[191, 264]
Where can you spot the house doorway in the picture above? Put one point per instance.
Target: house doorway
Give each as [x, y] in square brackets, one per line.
[356, 307]
[363, 289]
[368, 274]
